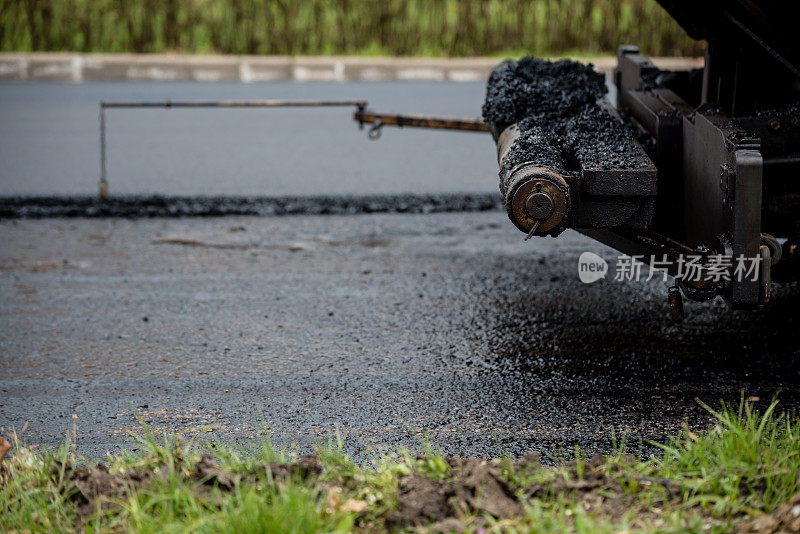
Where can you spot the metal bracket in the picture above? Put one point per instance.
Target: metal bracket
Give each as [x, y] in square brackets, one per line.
[362, 116]
[727, 184]
[360, 105]
[374, 132]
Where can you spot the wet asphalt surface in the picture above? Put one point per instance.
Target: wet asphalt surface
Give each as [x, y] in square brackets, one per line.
[386, 327]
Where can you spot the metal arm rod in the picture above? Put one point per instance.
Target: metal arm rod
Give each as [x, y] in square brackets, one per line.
[103, 185]
[235, 104]
[363, 116]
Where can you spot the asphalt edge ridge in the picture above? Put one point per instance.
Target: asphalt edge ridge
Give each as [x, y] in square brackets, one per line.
[165, 206]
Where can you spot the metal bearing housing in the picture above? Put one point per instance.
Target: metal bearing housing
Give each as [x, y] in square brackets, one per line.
[537, 194]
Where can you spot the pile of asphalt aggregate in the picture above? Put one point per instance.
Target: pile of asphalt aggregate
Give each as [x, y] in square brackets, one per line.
[535, 87]
[157, 206]
[563, 126]
[599, 141]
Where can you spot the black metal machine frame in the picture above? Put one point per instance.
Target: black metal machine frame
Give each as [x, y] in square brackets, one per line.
[710, 177]
[726, 141]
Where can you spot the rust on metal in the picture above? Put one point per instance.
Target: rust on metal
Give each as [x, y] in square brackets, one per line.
[505, 140]
[371, 118]
[538, 200]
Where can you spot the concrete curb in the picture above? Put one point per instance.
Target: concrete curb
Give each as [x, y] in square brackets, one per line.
[69, 67]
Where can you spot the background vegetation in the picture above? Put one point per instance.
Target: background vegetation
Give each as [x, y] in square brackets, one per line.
[367, 27]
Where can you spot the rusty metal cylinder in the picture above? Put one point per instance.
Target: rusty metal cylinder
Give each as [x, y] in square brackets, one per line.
[536, 197]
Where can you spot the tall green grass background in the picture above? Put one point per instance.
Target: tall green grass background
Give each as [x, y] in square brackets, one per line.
[327, 27]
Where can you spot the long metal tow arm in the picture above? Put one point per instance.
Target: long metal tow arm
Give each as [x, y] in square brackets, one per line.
[376, 121]
[235, 104]
[379, 120]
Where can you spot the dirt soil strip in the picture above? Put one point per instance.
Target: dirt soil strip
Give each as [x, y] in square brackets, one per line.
[475, 487]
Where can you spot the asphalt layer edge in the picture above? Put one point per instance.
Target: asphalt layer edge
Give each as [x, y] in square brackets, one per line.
[159, 206]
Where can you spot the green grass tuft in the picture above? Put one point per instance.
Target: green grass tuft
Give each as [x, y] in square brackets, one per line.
[747, 462]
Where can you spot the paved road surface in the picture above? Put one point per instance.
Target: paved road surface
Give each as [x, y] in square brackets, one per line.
[49, 141]
[384, 326]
